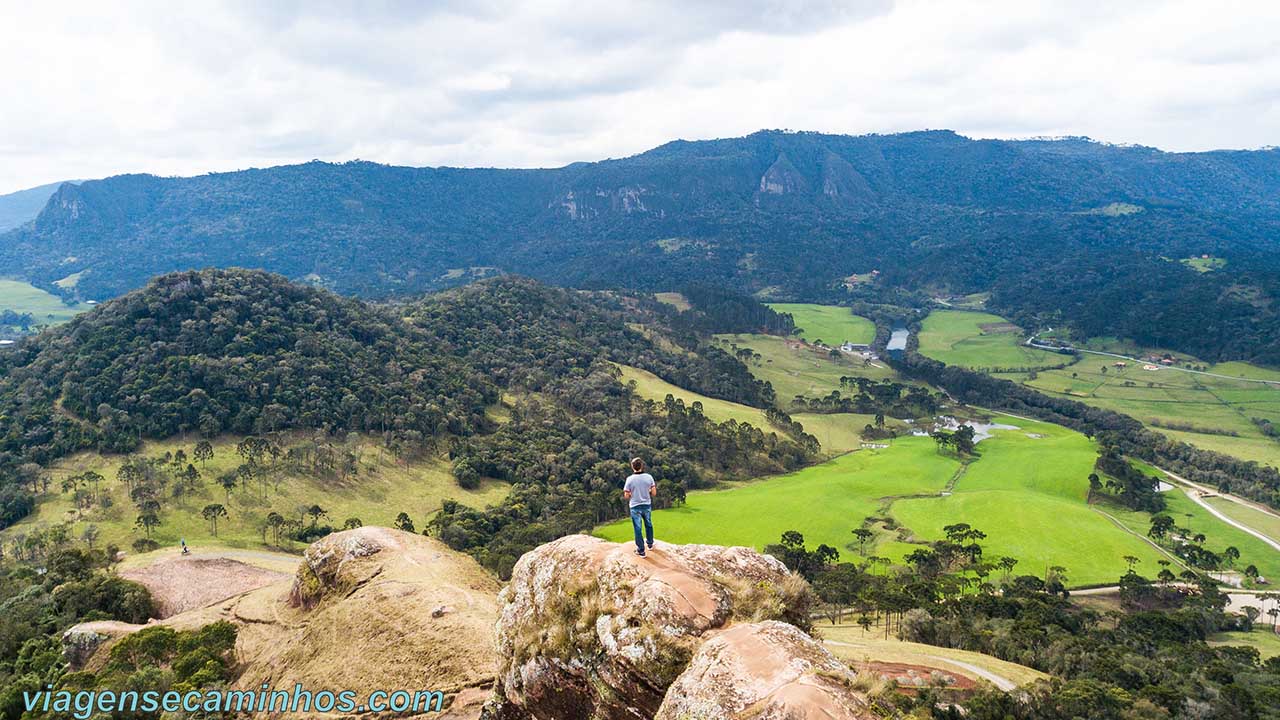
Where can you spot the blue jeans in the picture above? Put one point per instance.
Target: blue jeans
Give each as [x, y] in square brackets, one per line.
[645, 513]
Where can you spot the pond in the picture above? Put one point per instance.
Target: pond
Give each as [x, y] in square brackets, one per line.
[898, 340]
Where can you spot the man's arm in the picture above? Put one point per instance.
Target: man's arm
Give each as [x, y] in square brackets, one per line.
[653, 489]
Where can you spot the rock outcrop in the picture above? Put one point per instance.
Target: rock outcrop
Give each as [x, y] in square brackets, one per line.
[764, 671]
[589, 630]
[782, 178]
[368, 608]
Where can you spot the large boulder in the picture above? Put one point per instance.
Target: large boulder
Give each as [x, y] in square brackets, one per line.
[764, 671]
[588, 629]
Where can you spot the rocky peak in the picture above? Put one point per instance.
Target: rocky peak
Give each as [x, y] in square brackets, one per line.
[782, 178]
[841, 180]
[589, 630]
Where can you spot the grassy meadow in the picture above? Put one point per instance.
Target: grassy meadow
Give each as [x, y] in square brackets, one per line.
[831, 324]
[45, 308]
[674, 299]
[1262, 638]
[1263, 522]
[825, 502]
[1027, 493]
[979, 340]
[1219, 535]
[1214, 413]
[850, 642]
[837, 433]
[382, 488]
[795, 369]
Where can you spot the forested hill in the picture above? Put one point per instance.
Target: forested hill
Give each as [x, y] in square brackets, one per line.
[245, 352]
[1044, 224]
[229, 351]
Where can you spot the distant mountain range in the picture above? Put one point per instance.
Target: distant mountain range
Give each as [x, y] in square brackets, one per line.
[1068, 227]
[23, 206]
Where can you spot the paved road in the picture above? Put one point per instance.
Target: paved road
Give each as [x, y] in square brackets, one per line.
[999, 681]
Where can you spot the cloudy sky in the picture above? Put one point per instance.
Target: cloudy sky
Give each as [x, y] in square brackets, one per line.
[95, 89]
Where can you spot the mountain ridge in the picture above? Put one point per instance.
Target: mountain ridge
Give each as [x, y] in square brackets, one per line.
[792, 212]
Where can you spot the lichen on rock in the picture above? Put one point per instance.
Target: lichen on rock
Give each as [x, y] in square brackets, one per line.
[590, 630]
[325, 569]
[764, 671]
[79, 644]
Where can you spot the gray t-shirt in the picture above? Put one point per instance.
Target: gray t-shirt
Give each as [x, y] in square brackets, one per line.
[639, 486]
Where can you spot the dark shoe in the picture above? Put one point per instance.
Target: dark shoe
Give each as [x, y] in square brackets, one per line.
[640, 553]
[650, 546]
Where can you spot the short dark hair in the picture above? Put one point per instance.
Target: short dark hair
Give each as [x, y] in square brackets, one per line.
[637, 464]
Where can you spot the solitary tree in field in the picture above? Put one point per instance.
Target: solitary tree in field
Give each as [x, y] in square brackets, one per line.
[203, 452]
[1007, 564]
[1160, 526]
[1131, 561]
[352, 523]
[863, 536]
[92, 478]
[212, 512]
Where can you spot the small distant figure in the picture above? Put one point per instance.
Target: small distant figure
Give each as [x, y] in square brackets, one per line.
[639, 491]
[185, 550]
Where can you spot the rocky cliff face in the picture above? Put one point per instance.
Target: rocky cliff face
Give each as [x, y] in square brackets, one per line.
[589, 630]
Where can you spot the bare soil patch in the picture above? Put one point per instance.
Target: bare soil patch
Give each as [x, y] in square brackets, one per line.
[188, 583]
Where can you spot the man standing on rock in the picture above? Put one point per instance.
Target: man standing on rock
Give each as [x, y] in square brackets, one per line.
[639, 491]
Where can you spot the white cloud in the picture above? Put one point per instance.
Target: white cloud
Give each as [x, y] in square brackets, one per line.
[94, 89]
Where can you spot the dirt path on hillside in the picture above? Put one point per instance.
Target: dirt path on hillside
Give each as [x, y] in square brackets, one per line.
[999, 681]
[1197, 492]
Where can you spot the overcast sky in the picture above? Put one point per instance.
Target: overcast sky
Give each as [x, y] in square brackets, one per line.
[101, 88]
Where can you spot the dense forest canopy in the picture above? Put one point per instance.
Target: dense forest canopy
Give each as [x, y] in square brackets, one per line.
[1086, 231]
[250, 353]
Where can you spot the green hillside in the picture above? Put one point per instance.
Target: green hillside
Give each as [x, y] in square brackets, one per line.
[1026, 493]
[374, 488]
[979, 340]
[829, 324]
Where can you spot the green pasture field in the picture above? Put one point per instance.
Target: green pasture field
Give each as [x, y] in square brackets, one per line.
[1214, 413]
[851, 642]
[383, 488]
[824, 502]
[1203, 264]
[1265, 523]
[837, 433]
[980, 340]
[1027, 493]
[1219, 535]
[674, 299]
[1262, 638]
[794, 369]
[45, 308]
[831, 324]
